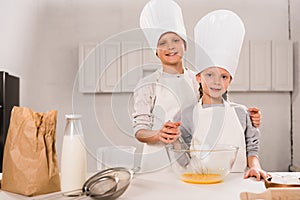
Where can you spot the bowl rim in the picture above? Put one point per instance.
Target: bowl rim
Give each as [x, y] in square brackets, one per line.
[215, 148]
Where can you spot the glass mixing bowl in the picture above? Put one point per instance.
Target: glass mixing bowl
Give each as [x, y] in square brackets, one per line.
[201, 164]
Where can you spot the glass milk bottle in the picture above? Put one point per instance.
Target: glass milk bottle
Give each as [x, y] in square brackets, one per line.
[73, 158]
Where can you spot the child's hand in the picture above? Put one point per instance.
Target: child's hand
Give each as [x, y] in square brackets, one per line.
[169, 132]
[255, 116]
[256, 172]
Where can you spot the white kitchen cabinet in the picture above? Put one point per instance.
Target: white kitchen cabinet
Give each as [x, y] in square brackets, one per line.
[241, 80]
[260, 65]
[132, 60]
[264, 66]
[88, 72]
[189, 57]
[110, 67]
[282, 66]
[118, 66]
[150, 61]
[271, 66]
[149, 56]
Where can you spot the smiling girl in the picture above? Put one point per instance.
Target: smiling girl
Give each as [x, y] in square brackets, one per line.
[214, 119]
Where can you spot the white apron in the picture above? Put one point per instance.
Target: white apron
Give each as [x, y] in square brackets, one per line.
[173, 93]
[220, 125]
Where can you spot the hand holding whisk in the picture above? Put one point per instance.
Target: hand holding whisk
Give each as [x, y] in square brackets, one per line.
[169, 132]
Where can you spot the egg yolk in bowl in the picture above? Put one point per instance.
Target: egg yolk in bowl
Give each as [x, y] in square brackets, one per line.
[196, 178]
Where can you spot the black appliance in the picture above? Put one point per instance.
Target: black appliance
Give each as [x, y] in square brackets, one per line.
[9, 97]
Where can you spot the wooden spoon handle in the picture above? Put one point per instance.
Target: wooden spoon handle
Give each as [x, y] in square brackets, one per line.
[273, 194]
[266, 195]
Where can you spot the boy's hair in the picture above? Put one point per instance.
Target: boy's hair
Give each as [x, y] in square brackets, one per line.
[225, 95]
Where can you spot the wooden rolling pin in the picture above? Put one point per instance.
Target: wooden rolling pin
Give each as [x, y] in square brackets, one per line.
[273, 194]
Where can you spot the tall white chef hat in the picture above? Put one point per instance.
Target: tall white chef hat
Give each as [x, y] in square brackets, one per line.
[159, 17]
[218, 38]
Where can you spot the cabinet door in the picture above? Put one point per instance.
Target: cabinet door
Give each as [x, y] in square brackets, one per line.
[88, 68]
[189, 58]
[260, 65]
[242, 75]
[282, 66]
[132, 59]
[149, 56]
[150, 61]
[110, 67]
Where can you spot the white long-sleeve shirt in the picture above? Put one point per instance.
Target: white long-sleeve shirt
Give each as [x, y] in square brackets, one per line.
[145, 96]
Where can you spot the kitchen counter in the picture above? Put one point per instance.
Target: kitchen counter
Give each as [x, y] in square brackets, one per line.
[164, 185]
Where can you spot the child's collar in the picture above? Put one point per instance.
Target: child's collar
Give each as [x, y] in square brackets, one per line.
[226, 103]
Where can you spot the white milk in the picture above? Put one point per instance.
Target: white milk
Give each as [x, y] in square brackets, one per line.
[73, 163]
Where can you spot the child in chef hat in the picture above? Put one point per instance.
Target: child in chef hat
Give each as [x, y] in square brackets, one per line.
[215, 120]
[170, 89]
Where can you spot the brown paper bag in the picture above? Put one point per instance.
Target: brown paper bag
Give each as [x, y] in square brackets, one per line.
[30, 164]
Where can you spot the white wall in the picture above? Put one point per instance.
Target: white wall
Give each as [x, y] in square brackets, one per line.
[39, 42]
[295, 34]
[275, 128]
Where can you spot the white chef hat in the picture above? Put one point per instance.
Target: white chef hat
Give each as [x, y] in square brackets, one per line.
[159, 17]
[219, 37]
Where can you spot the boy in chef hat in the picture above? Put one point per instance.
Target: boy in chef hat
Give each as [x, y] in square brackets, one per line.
[162, 94]
[219, 36]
